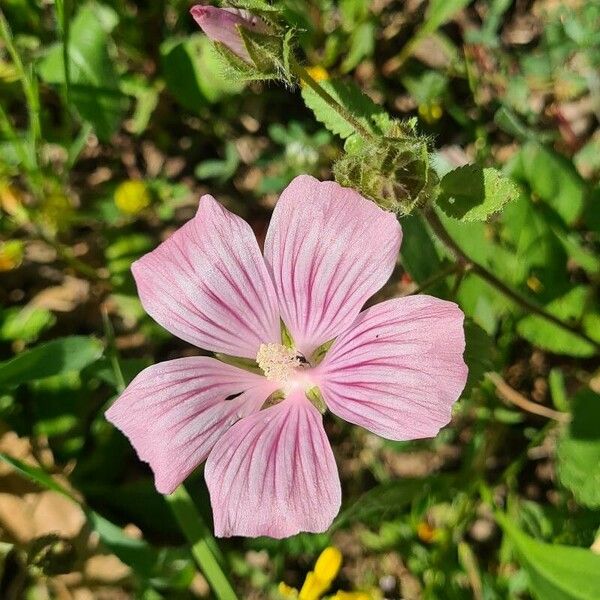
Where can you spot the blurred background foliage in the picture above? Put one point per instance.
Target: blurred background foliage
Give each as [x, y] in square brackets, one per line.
[116, 116]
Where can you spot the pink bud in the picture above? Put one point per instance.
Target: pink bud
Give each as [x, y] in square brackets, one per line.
[221, 25]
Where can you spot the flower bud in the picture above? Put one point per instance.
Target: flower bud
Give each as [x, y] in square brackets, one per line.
[393, 171]
[223, 25]
[254, 44]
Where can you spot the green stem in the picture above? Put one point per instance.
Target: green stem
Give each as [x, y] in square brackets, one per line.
[303, 75]
[28, 83]
[430, 281]
[62, 18]
[483, 273]
[112, 352]
[203, 546]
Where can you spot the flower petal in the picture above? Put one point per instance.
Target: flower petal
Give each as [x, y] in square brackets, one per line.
[273, 473]
[208, 284]
[328, 250]
[221, 25]
[174, 412]
[399, 368]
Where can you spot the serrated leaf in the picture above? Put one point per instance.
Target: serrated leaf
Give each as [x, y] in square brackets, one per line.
[555, 571]
[579, 450]
[53, 358]
[352, 99]
[474, 193]
[548, 336]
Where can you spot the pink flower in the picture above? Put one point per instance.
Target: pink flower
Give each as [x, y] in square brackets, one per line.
[395, 368]
[222, 25]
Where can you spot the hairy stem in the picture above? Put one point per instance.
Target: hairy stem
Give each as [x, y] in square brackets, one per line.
[303, 75]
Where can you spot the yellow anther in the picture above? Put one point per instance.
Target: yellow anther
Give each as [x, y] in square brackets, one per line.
[277, 362]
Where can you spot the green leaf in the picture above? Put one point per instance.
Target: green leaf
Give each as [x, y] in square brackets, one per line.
[552, 178]
[579, 450]
[222, 170]
[362, 44]
[439, 12]
[194, 73]
[37, 475]
[386, 501]
[479, 354]
[555, 571]
[474, 193]
[352, 99]
[418, 253]
[548, 336]
[24, 323]
[94, 83]
[53, 358]
[145, 560]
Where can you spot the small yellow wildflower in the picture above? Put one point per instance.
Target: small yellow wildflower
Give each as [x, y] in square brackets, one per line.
[430, 112]
[426, 533]
[318, 73]
[327, 567]
[132, 197]
[11, 254]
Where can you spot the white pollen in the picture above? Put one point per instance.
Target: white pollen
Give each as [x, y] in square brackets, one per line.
[277, 362]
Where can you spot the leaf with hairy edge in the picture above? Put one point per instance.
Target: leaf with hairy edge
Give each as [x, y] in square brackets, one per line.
[474, 193]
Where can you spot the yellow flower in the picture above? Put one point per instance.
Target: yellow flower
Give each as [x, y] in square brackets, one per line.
[132, 197]
[286, 591]
[319, 580]
[318, 73]
[11, 254]
[430, 112]
[426, 533]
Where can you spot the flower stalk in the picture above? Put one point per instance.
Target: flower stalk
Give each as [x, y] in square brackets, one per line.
[204, 549]
[303, 75]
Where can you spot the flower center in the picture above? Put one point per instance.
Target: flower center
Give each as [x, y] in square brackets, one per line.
[277, 362]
